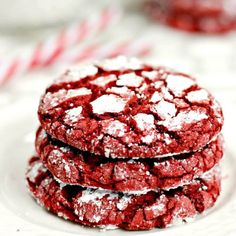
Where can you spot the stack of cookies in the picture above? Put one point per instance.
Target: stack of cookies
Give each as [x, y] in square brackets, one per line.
[126, 145]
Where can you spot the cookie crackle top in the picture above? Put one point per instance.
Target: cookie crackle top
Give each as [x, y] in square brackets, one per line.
[122, 108]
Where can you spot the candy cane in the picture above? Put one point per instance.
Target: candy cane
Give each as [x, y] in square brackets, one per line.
[95, 51]
[48, 52]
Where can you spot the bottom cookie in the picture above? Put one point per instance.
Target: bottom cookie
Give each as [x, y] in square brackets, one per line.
[99, 208]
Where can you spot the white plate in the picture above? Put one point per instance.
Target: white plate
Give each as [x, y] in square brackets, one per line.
[16, 148]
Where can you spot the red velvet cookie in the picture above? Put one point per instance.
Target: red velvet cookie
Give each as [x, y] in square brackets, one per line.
[124, 109]
[210, 16]
[72, 166]
[131, 212]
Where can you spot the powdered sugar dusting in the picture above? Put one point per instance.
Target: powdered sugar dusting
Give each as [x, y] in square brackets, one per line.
[129, 80]
[55, 157]
[103, 80]
[217, 111]
[151, 75]
[76, 73]
[158, 208]
[167, 139]
[89, 195]
[54, 99]
[95, 199]
[65, 149]
[115, 128]
[144, 121]
[73, 114]
[139, 192]
[166, 94]
[42, 135]
[185, 117]
[63, 215]
[121, 91]
[94, 196]
[51, 100]
[67, 168]
[107, 152]
[123, 202]
[177, 83]
[121, 63]
[34, 170]
[165, 110]
[156, 97]
[148, 138]
[120, 173]
[108, 103]
[197, 96]
[158, 84]
[78, 92]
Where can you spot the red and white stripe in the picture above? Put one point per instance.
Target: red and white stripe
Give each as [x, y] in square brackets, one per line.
[137, 48]
[49, 51]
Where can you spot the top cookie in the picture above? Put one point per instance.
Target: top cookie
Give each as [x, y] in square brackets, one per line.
[122, 108]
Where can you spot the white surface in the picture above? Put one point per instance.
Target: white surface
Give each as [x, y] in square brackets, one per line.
[211, 59]
[25, 14]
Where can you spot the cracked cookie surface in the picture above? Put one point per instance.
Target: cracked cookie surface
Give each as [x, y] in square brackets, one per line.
[98, 208]
[72, 166]
[196, 16]
[125, 109]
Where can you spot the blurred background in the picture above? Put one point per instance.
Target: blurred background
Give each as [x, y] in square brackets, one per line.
[39, 39]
